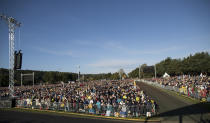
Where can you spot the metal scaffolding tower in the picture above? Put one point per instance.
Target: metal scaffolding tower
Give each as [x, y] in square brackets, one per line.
[12, 24]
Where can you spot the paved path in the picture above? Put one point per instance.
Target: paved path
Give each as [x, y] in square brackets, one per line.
[173, 109]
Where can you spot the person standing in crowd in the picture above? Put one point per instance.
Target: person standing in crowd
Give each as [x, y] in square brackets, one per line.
[104, 98]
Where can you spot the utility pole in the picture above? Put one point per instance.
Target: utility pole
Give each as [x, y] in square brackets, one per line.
[33, 79]
[78, 73]
[155, 72]
[139, 71]
[120, 75]
[12, 24]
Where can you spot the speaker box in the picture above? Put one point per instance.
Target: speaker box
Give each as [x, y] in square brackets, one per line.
[18, 60]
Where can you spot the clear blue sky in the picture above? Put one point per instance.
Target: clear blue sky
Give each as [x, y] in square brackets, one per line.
[104, 35]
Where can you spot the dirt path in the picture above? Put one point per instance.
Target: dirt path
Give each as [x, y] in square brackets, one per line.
[173, 109]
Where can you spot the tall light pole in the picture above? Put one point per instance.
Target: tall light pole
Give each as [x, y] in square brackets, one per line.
[33, 79]
[78, 73]
[139, 71]
[155, 72]
[12, 24]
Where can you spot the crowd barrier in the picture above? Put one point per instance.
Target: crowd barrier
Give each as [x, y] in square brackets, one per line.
[5, 103]
[181, 91]
[104, 110]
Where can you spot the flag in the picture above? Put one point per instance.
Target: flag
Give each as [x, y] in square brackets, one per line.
[134, 83]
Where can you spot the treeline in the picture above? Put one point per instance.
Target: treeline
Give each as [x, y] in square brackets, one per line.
[39, 77]
[145, 72]
[193, 65]
[52, 77]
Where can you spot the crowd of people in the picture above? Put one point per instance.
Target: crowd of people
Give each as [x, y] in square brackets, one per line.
[108, 98]
[194, 86]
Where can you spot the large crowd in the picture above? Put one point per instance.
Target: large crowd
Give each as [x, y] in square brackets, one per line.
[194, 86]
[109, 98]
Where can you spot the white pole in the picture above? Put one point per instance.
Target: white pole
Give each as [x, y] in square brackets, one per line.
[33, 79]
[155, 72]
[139, 71]
[120, 74]
[78, 73]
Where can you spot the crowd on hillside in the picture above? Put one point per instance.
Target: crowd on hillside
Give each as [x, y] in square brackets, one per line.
[194, 86]
[109, 98]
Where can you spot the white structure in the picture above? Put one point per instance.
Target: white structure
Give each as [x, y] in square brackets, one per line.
[166, 75]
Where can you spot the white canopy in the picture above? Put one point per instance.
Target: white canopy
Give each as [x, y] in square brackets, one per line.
[166, 75]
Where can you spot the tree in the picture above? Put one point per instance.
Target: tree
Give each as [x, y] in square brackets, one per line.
[115, 76]
[193, 64]
[134, 73]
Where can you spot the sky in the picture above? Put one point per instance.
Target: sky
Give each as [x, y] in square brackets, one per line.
[103, 36]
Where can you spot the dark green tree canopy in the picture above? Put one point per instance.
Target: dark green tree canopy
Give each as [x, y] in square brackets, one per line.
[193, 65]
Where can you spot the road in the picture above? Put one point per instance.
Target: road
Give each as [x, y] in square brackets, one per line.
[174, 109]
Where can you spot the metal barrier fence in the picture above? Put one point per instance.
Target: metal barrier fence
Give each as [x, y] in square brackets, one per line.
[5, 103]
[194, 94]
[104, 110]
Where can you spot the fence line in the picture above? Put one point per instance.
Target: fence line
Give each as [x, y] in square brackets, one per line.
[97, 109]
[5, 103]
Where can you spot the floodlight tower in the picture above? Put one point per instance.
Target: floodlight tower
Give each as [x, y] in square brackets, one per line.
[12, 24]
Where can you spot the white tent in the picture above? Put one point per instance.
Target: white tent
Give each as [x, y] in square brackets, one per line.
[201, 75]
[166, 75]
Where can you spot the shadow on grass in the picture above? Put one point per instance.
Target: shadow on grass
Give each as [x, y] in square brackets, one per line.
[199, 109]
